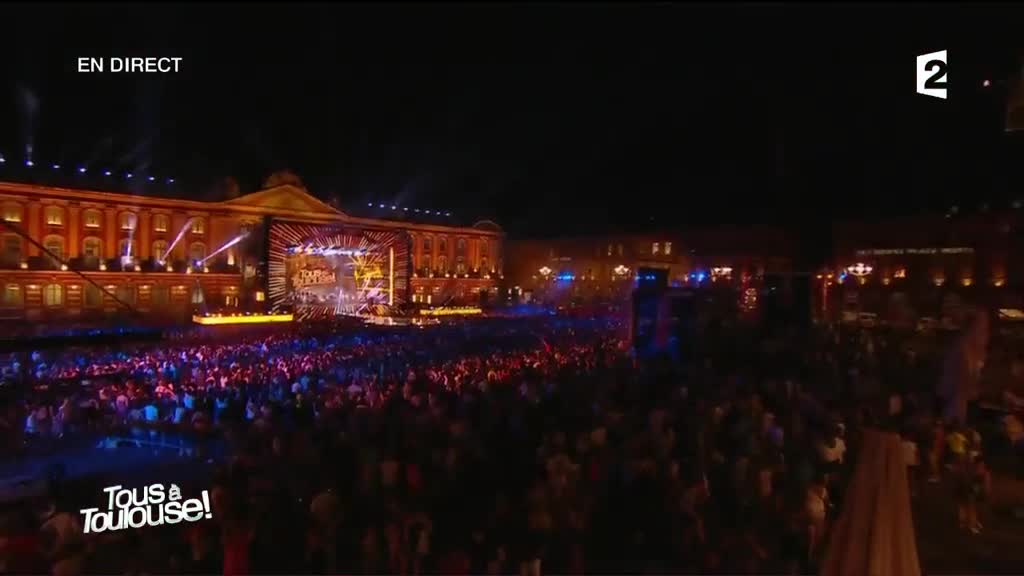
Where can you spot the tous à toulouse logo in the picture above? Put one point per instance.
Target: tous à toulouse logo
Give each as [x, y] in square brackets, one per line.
[132, 508]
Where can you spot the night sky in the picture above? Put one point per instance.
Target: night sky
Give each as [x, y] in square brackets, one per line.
[551, 119]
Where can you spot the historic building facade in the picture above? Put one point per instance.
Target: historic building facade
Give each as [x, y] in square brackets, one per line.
[604, 268]
[921, 266]
[70, 253]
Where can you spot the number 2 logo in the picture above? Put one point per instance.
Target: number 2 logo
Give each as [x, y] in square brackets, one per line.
[932, 70]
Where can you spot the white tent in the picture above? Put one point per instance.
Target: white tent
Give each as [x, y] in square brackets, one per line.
[874, 535]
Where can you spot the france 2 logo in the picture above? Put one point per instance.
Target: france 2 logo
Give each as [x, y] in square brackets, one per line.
[931, 74]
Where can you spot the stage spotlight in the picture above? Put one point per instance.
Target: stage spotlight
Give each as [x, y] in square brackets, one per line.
[152, 178]
[128, 175]
[29, 163]
[106, 172]
[447, 213]
[2, 159]
[370, 204]
[392, 207]
[380, 205]
[406, 208]
[56, 166]
[170, 180]
[81, 170]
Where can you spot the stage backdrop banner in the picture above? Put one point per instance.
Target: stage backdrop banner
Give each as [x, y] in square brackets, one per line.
[317, 270]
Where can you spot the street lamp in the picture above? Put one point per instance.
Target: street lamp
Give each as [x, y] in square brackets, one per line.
[545, 271]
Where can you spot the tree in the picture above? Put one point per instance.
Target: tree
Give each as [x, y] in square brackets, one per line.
[282, 178]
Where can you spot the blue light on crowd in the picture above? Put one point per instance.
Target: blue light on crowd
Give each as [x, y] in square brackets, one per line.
[700, 277]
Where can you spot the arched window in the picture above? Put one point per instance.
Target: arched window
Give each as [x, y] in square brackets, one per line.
[428, 245]
[460, 247]
[53, 295]
[12, 250]
[54, 216]
[198, 226]
[92, 219]
[159, 250]
[442, 263]
[12, 212]
[460, 256]
[160, 222]
[92, 248]
[126, 249]
[128, 220]
[197, 251]
[442, 245]
[55, 247]
[13, 295]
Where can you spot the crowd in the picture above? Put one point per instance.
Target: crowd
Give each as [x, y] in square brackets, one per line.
[529, 446]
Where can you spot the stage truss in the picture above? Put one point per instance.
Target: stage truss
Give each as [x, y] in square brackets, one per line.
[379, 261]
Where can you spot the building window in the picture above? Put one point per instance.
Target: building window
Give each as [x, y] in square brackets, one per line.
[198, 226]
[460, 265]
[93, 296]
[460, 248]
[53, 295]
[197, 251]
[13, 296]
[483, 263]
[426, 261]
[92, 218]
[609, 249]
[12, 250]
[92, 248]
[12, 212]
[160, 222]
[656, 248]
[128, 221]
[54, 216]
[427, 245]
[620, 249]
[668, 248]
[261, 296]
[159, 250]
[126, 249]
[55, 247]
[126, 293]
[442, 263]
[160, 295]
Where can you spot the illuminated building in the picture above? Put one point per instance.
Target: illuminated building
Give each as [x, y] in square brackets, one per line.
[604, 268]
[920, 262]
[86, 254]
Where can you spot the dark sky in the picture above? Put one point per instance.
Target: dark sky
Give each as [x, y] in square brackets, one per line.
[549, 118]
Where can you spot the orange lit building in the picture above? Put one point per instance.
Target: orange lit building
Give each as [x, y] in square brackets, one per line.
[71, 253]
[603, 268]
[921, 264]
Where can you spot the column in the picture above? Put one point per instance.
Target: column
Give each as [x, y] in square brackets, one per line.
[34, 213]
[74, 232]
[110, 228]
[144, 233]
